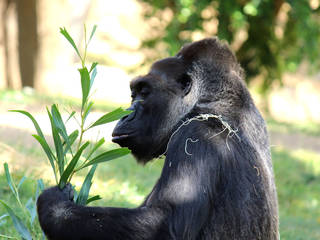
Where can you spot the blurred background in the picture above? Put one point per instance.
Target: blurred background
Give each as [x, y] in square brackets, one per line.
[277, 42]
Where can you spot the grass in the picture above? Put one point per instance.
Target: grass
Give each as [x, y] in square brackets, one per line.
[308, 128]
[124, 183]
[297, 178]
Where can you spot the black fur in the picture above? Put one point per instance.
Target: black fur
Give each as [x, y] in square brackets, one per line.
[216, 183]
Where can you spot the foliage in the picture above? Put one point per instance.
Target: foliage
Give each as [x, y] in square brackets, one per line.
[26, 229]
[278, 34]
[69, 155]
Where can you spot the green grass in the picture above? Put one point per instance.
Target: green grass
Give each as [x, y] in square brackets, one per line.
[27, 191]
[298, 184]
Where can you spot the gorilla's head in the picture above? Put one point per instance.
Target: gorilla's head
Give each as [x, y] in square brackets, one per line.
[204, 77]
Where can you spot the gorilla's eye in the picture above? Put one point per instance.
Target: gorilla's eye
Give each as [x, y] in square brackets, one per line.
[185, 83]
[184, 80]
[144, 92]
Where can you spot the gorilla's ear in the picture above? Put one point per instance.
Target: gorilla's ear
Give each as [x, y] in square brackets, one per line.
[185, 83]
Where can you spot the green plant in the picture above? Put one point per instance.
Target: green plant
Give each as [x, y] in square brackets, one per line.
[70, 153]
[26, 229]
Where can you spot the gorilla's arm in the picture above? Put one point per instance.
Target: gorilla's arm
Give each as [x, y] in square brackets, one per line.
[177, 208]
[61, 219]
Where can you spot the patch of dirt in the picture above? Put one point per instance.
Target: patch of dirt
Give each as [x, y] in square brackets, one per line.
[295, 141]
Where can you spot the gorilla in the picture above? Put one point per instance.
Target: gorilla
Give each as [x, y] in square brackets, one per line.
[217, 180]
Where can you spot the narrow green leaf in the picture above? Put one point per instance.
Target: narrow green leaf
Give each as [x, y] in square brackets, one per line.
[86, 185]
[85, 84]
[92, 32]
[88, 110]
[40, 188]
[57, 144]
[35, 123]
[107, 156]
[32, 209]
[72, 138]
[70, 116]
[40, 184]
[111, 116]
[93, 65]
[92, 199]
[64, 32]
[41, 139]
[21, 181]
[93, 76]
[71, 166]
[9, 180]
[48, 152]
[56, 116]
[17, 223]
[95, 147]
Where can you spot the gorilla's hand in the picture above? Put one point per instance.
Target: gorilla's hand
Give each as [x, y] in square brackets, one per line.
[55, 194]
[50, 200]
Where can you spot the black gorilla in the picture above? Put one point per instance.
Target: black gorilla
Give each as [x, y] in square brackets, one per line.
[217, 181]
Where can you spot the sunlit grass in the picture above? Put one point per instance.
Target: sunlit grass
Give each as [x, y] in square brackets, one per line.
[298, 184]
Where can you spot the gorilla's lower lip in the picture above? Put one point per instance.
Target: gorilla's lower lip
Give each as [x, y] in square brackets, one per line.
[119, 137]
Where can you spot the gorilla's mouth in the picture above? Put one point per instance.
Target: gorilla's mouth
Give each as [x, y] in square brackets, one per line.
[117, 138]
[122, 139]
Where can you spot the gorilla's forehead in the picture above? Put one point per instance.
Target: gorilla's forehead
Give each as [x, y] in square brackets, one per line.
[167, 65]
[161, 71]
[168, 68]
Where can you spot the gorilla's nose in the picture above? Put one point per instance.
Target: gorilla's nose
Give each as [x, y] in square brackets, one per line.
[129, 117]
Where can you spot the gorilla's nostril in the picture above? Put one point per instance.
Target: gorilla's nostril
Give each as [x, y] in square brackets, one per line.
[129, 117]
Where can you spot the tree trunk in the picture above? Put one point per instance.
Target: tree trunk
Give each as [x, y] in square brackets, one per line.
[27, 40]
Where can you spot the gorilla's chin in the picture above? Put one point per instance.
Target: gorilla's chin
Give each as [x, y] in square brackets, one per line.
[141, 158]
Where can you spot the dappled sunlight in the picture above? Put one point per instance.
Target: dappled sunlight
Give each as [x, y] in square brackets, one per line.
[113, 190]
[310, 159]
